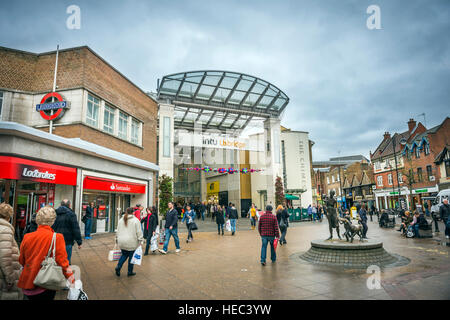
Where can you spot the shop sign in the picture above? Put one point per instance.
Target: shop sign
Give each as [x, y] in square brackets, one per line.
[58, 107]
[420, 190]
[24, 169]
[95, 183]
[218, 141]
[213, 187]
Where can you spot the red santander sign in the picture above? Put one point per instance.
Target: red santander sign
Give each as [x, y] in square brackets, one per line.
[95, 183]
[24, 169]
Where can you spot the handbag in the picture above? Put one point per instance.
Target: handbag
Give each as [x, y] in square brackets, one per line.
[283, 224]
[193, 226]
[50, 276]
[115, 253]
[84, 219]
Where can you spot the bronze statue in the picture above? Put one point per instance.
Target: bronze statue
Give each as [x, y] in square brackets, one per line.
[350, 229]
[332, 216]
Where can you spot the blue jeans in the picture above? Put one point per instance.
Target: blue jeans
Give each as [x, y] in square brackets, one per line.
[233, 225]
[87, 228]
[203, 215]
[126, 255]
[416, 230]
[265, 241]
[69, 252]
[174, 234]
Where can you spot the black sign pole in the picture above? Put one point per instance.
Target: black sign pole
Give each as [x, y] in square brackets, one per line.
[54, 88]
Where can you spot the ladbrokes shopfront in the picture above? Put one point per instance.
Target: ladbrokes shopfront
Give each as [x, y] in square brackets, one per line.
[29, 185]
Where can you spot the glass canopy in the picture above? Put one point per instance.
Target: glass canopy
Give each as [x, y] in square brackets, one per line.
[220, 99]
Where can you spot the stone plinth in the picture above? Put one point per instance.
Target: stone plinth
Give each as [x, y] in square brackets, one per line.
[349, 255]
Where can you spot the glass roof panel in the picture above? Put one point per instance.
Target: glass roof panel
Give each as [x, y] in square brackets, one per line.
[205, 92]
[170, 86]
[279, 103]
[236, 97]
[221, 95]
[259, 87]
[212, 80]
[264, 102]
[244, 85]
[188, 89]
[228, 82]
[251, 99]
[215, 73]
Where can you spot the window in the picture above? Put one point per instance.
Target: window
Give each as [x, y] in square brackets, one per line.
[380, 181]
[400, 177]
[135, 131]
[390, 178]
[411, 176]
[108, 122]
[93, 106]
[426, 148]
[166, 136]
[447, 168]
[328, 180]
[123, 125]
[429, 172]
[419, 175]
[417, 153]
[332, 179]
[377, 166]
[1, 104]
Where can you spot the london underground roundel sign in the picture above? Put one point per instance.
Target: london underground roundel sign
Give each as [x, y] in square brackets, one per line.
[59, 106]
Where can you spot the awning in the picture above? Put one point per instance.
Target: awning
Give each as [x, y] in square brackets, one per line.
[291, 197]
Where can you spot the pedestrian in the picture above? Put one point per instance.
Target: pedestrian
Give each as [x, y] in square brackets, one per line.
[252, 215]
[150, 222]
[371, 213]
[309, 210]
[444, 213]
[32, 225]
[88, 224]
[233, 216]
[189, 217]
[171, 229]
[128, 237]
[427, 211]
[268, 230]
[283, 222]
[363, 217]
[33, 250]
[67, 224]
[220, 219]
[9, 257]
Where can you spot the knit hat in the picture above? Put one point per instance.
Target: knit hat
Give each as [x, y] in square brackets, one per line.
[46, 216]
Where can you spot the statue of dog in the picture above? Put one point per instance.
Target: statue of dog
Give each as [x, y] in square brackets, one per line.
[350, 229]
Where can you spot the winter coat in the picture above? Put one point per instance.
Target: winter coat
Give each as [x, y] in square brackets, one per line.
[444, 212]
[34, 249]
[67, 224]
[171, 219]
[9, 263]
[220, 216]
[150, 223]
[233, 214]
[187, 215]
[89, 212]
[32, 225]
[283, 214]
[129, 236]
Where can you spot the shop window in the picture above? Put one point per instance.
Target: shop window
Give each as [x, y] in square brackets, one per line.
[328, 180]
[108, 122]
[134, 131]
[332, 179]
[93, 106]
[123, 125]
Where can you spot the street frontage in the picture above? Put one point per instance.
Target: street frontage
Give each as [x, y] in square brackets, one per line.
[227, 267]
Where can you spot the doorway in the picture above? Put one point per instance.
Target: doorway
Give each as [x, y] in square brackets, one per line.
[26, 204]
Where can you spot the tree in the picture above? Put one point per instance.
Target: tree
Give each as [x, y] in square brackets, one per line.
[279, 192]
[165, 194]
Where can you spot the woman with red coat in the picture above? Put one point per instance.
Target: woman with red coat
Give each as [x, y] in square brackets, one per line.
[34, 249]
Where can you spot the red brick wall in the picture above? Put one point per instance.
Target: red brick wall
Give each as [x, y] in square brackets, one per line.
[17, 69]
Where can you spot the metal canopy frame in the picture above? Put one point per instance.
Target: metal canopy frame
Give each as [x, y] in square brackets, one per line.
[222, 96]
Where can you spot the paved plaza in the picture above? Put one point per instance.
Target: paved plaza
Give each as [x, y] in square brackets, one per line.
[227, 267]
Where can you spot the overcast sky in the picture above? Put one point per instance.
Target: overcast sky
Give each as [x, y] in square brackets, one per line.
[347, 84]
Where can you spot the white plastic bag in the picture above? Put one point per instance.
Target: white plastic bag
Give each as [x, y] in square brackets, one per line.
[137, 256]
[76, 292]
[154, 243]
[228, 225]
[157, 230]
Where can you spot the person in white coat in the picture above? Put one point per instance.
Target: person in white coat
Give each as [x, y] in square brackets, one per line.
[129, 237]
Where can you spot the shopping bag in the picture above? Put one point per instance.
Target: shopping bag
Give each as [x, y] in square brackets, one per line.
[154, 243]
[137, 256]
[157, 230]
[115, 253]
[275, 244]
[228, 225]
[76, 292]
[162, 237]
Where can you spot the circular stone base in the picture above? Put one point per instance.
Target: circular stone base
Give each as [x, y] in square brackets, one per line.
[350, 255]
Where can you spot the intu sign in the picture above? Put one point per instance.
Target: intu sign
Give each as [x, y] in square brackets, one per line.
[218, 141]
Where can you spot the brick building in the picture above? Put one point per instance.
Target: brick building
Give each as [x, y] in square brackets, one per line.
[411, 174]
[105, 128]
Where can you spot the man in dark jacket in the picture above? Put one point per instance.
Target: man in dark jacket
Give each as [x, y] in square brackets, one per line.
[88, 222]
[67, 224]
[171, 229]
[233, 216]
[363, 217]
[444, 213]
